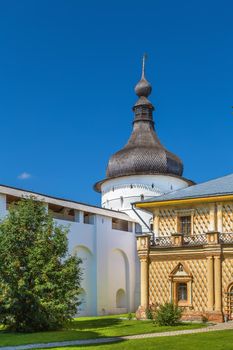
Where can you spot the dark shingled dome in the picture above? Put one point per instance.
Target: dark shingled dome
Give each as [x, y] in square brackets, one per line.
[143, 154]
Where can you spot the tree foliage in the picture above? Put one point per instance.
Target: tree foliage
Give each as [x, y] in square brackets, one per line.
[39, 280]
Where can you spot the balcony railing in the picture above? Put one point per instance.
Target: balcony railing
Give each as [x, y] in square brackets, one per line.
[164, 242]
[189, 241]
[195, 240]
[226, 238]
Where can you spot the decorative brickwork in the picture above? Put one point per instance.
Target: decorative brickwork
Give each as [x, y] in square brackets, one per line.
[227, 278]
[167, 222]
[160, 284]
[199, 287]
[201, 220]
[227, 217]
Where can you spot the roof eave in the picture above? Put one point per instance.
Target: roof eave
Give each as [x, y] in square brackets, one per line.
[191, 200]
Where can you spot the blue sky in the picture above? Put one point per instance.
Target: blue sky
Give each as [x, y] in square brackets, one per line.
[67, 72]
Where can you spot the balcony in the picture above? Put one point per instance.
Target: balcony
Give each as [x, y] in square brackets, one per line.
[180, 240]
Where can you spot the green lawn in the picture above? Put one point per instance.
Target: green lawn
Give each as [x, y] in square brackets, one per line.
[90, 327]
[206, 341]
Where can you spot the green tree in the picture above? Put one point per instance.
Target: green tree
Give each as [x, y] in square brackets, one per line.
[39, 280]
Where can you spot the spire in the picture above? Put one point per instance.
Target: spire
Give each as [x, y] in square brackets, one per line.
[143, 65]
[143, 87]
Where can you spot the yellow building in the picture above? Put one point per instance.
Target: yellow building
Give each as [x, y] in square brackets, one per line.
[188, 258]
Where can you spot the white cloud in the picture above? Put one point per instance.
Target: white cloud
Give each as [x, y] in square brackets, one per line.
[24, 176]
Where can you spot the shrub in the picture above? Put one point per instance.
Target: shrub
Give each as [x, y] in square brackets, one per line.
[168, 315]
[130, 316]
[151, 312]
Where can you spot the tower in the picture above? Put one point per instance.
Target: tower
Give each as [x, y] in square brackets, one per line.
[143, 168]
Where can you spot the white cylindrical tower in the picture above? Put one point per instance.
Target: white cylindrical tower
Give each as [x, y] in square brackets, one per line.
[143, 168]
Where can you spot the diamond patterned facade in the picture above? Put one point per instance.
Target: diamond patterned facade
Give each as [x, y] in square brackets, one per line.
[167, 222]
[205, 255]
[160, 283]
[227, 279]
[201, 220]
[227, 217]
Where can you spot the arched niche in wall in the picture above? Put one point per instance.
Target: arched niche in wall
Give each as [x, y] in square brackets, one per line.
[88, 283]
[120, 280]
[121, 301]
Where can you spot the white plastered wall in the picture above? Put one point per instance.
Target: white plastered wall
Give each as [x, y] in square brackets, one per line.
[97, 245]
[119, 193]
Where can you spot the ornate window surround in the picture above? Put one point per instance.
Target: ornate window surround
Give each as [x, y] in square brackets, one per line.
[181, 274]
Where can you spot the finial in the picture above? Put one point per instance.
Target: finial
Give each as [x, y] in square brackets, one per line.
[144, 57]
[143, 87]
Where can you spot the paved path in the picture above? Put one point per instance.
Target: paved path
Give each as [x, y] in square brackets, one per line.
[217, 327]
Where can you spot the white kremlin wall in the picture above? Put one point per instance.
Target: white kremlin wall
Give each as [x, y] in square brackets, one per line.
[105, 241]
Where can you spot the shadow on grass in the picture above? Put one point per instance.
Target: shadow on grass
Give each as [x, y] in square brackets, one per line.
[92, 324]
[118, 341]
[14, 338]
[77, 329]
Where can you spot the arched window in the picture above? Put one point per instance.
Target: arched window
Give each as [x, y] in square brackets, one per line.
[121, 299]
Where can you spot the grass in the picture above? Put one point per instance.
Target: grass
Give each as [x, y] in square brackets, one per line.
[89, 328]
[213, 340]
